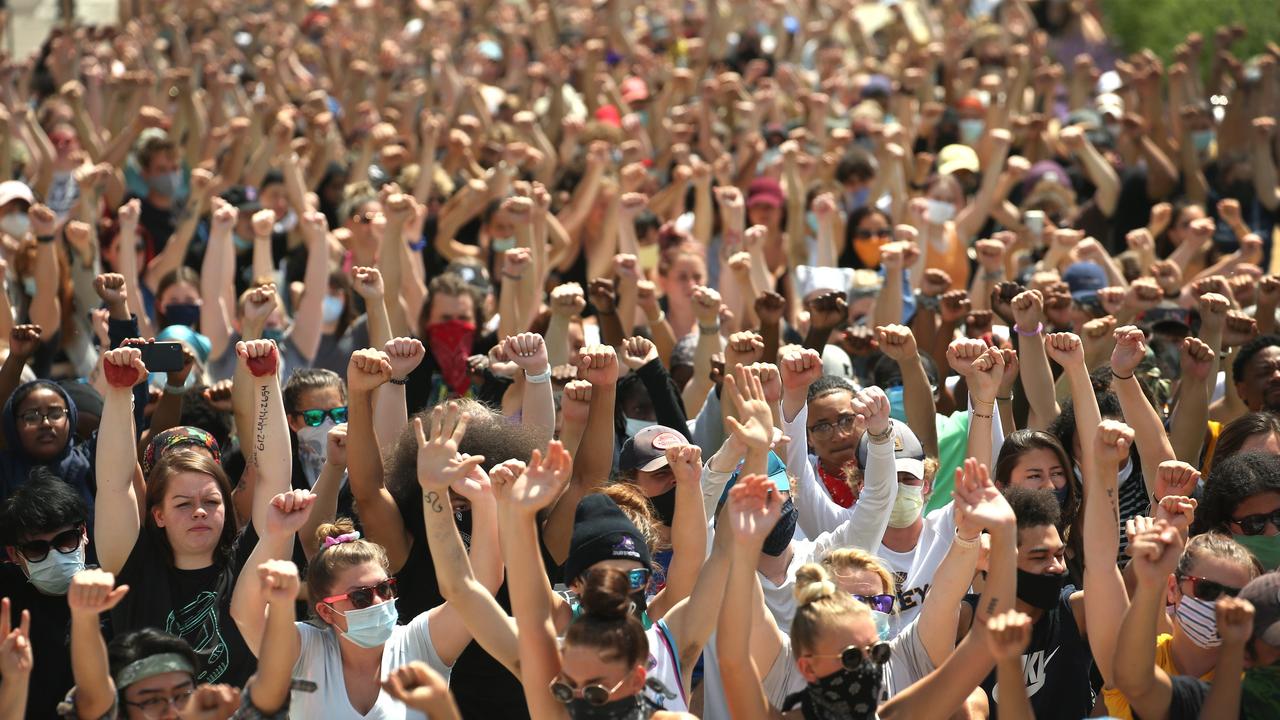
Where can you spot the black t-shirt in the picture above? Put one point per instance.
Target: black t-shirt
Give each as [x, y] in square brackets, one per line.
[1058, 665]
[1133, 208]
[50, 640]
[192, 604]
[158, 225]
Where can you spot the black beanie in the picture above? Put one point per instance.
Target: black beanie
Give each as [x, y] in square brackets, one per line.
[601, 531]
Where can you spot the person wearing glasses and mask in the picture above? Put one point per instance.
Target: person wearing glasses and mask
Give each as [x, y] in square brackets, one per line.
[1242, 499]
[38, 424]
[46, 538]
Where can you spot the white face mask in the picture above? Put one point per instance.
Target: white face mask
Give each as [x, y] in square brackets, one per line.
[634, 425]
[313, 448]
[907, 506]
[286, 223]
[1199, 621]
[52, 575]
[15, 224]
[939, 212]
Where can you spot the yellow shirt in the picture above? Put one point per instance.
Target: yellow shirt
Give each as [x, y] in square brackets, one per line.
[1118, 704]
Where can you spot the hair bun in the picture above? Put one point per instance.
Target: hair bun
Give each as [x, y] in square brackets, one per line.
[606, 594]
[813, 584]
[337, 528]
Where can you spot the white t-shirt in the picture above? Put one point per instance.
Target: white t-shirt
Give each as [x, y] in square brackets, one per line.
[320, 662]
[914, 569]
[665, 667]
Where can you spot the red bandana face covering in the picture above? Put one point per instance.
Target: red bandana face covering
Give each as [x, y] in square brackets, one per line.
[837, 487]
[450, 344]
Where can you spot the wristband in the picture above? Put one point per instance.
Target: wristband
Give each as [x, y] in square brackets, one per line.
[709, 329]
[993, 275]
[1121, 377]
[881, 437]
[1224, 354]
[662, 316]
[399, 381]
[1006, 399]
[42, 239]
[966, 543]
[1039, 329]
[175, 389]
[928, 302]
[539, 378]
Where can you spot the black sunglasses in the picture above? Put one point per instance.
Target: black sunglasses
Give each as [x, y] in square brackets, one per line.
[851, 657]
[1208, 590]
[363, 597]
[315, 418]
[595, 693]
[65, 542]
[1257, 524]
[868, 234]
[883, 603]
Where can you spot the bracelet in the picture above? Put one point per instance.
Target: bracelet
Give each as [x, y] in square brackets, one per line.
[662, 317]
[1223, 355]
[44, 239]
[399, 381]
[881, 437]
[709, 329]
[975, 401]
[509, 276]
[977, 414]
[966, 542]
[1039, 329]
[1121, 377]
[993, 275]
[540, 378]
[928, 302]
[175, 389]
[1006, 399]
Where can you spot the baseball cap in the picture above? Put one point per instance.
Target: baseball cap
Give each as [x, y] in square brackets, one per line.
[765, 191]
[473, 274]
[1045, 171]
[1085, 280]
[647, 450]
[11, 190]
[775, 471]
[243, 198]
[877, 86]
[1263, 592]
[954, 158]
[634, 89]
[908, 453]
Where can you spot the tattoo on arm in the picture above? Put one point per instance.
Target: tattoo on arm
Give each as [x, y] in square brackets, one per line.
[432, 500]
[991, 606]
[264, 403]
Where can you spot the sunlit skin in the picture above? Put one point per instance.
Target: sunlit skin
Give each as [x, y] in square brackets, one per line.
[838, 448]
[357, 576]
[655, 483]
[583, 665]
[1077, 453]
[824, 658]
[179, 293]
[47, 438]
[165, 685]
[324, 398]
[860, 581]
[1268, 443]
[192, 514]
[452, 307]
[1038, 469]
[1259, 387]
[1263, 503]
[1180, 229]
[686, 273]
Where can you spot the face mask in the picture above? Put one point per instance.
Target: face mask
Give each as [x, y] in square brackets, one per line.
[856, 199]
[635, 425]
[647, 256]
[1062, 494]
[665, 506]
[779, 538]
[286, 223]
[971, 130]
[1199, 621]
[15, 224]
[1202, 139]
[274, 334]
[844, 694]
[882, 624]
[811, 220]
[29, 286]
[502, 244]
[907, 506]
[242, 244]
[52, 575]
[182, 314]
[167, 184]
[313, 448]
[333, 306]
[1261, 687]
[939, 212]
[450, 344]
[462, 520]
[371, 627]
[1040, 591]
[897, 406]
[1266, 549]
[627, 708]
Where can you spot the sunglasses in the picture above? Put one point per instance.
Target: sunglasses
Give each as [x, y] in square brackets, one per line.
[868, 234]
[1257, 524]
[363, 597]
[1208, 590]
[315, 418]
[853, 656]
[883, 603]
[65, 542]
[595, 693]
[32, 418]
[639, 578]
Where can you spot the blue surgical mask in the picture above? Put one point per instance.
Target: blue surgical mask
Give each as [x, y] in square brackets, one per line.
[811, 219]
[275, 335]
[971, 130]
[856, 199]
[15, 224]
[52, 575]
[29, 286]
[166, 184]
[897, 406]
[371, 627]
[635, 425]
[882, 624]
[333, 306]
[242, 244]
[1202, 139]
[502, 244]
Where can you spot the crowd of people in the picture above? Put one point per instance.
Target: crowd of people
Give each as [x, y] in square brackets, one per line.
[840, 360]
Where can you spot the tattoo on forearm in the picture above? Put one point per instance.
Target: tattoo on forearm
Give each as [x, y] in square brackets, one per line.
[433, 501]
[264, 403]
[991, 606]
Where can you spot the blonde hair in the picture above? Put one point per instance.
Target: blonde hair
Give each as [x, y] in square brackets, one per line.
[332, 560]
[844, 560]
[636, 507]
[1217, 545]
[821, 607]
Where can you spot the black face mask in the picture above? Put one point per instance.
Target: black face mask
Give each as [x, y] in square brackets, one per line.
[842, 695]
[462, 518]
[1040, 591]
[780, 536]
[665, 506]
[181, 314]
[627, 708]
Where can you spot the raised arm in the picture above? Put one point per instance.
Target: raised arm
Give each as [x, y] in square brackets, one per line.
[46, 307]
[981, 368]
[326, 489]
[92, 593]
[1067, 350]
[538, 410]
[899, 343]
[308, 324]
[116, 515]
[1148, 688]
[280, 642]
[1235, 627]
[939, 614]
[391, 410]
[1037, 376]
[16, 661]
[1190, 419]
[217, 288]
[1106, 597]
[688, 531]
[175, 251]
[286, 513]
[1153, 443]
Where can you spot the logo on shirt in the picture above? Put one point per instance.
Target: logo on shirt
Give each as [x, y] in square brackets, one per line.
[1036, 667]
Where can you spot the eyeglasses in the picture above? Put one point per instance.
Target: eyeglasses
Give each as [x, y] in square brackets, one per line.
[315, 418]
[31, 418]
[851, 657]
[1257, 524]
[65, 542]
[862, 234]
[363, 597]
[595, 694]
[153, 708]
[365, 218]
[844, 423]
[883, 603]
[639, 578]
[1208, 590]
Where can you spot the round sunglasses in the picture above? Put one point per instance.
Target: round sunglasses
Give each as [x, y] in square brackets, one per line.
[851, 658]
[65, 542]
[595, 693]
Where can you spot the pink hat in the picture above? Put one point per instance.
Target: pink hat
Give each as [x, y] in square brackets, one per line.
[633, 89]
[765, 191]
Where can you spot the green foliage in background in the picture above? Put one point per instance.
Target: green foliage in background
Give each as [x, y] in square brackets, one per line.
[1162, 24]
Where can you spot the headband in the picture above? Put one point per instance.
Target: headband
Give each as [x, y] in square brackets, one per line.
[151, 666]
[345, 538]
